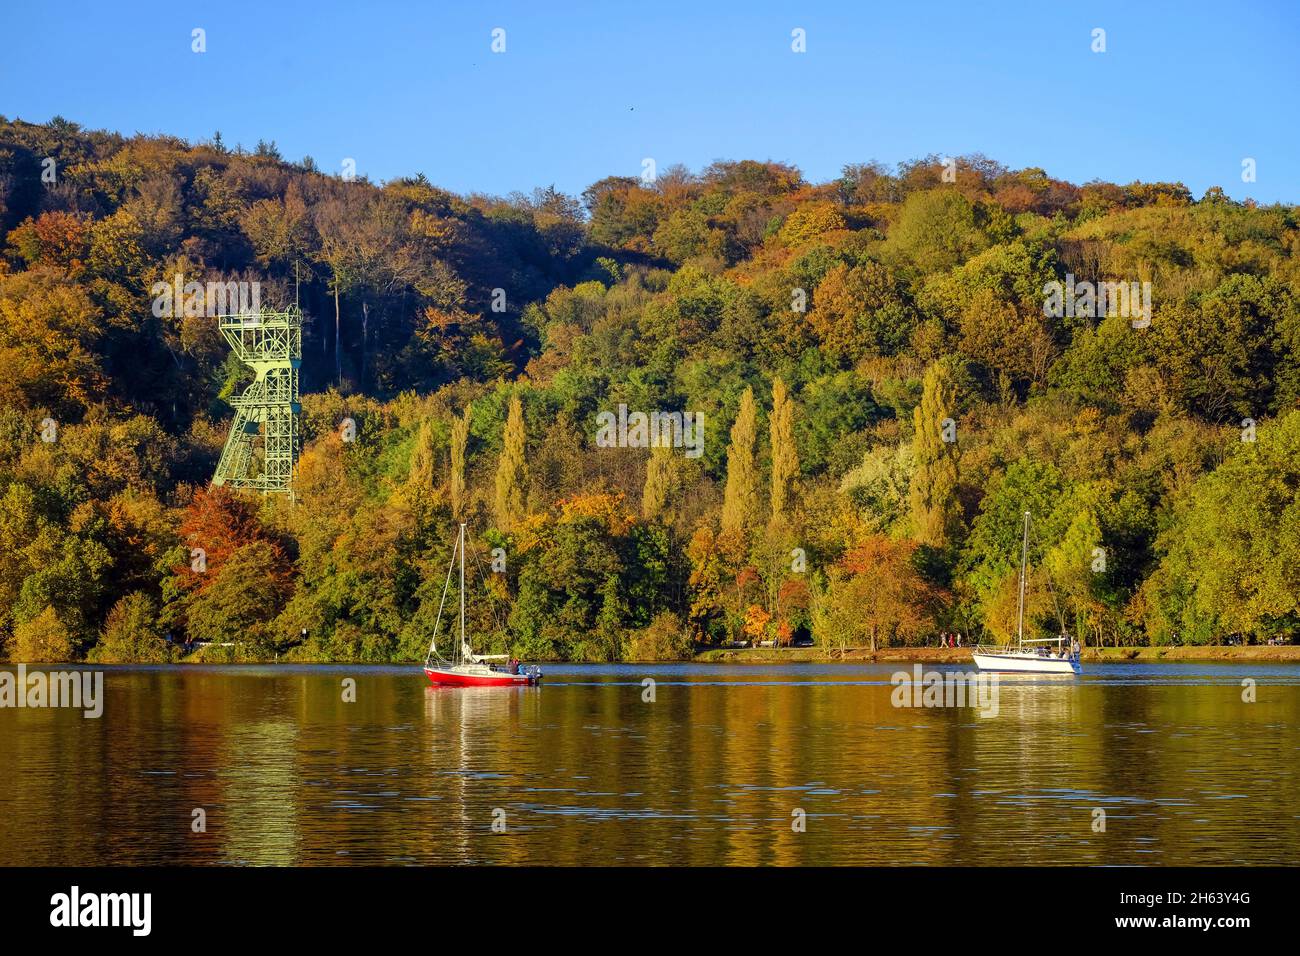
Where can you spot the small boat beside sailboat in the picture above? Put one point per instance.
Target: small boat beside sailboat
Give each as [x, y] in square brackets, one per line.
[466, 668]
[1029, 655]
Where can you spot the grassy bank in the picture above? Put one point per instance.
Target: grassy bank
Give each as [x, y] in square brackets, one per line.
[1284, 653]
[960, 655]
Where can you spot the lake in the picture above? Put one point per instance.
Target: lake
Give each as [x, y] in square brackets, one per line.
[800, 764]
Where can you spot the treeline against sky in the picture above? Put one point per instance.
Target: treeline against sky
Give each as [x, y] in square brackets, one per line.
[887, 371]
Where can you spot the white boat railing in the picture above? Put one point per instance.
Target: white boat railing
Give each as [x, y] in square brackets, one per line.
[1022, 648]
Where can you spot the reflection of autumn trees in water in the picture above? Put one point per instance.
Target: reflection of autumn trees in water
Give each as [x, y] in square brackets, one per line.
[586, 771]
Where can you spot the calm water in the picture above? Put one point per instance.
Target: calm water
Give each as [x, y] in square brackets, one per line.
[710, 773]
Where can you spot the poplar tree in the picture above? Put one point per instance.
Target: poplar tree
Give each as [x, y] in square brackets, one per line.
[658, 482]
[785, 460]
[740, 501]
[512, 470]
[459, 441]
[421, 475]
[936, 513]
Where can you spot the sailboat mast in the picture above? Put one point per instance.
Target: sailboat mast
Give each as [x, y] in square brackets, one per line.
[1020, 607]
[462, 585]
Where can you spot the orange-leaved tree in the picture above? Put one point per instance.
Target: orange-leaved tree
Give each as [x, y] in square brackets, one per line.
[874, 593]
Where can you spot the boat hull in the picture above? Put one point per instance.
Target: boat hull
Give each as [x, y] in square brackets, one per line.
[1024, 663]
[456, 677]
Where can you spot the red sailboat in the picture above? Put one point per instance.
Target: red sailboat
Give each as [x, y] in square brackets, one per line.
[467, 669]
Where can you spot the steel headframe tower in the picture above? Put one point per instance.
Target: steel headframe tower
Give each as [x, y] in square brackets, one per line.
[267, 413]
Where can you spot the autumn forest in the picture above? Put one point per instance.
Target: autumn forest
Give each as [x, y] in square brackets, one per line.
[887, 370]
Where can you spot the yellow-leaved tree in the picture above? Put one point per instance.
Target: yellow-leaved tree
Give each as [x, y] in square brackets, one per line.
[785, 459]
[936, 512]
[740, 501]
[658, 482]
[512, 470]
[459, 442]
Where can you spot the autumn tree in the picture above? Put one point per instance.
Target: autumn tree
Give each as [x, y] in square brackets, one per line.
[874, 594]
[49, 330]
[215, 523]
[132, 633]
[512, 469]
[1076, 569]
[757, 619]
[459, 442]
[334, 220]
[55, 238]
[578, 579]
[279, 228]
[740, 506]
[1231, 561]
[785, 459]
[936, 510]
[245, 595]
[658, 482]
[42, 639]
[936, 230]
[717, 562]
[861, 310]
[422, 458]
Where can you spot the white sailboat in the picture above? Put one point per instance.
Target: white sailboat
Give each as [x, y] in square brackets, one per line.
[1035, 655]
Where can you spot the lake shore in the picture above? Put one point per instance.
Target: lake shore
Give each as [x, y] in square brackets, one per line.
[961, 655]
[1283, 654]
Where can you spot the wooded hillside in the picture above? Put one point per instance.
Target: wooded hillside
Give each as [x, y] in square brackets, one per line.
[884, 381]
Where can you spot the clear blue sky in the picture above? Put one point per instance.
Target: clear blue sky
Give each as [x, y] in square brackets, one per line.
[1184, 91]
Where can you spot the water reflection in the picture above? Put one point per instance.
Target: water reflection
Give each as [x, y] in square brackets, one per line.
[582, 770]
